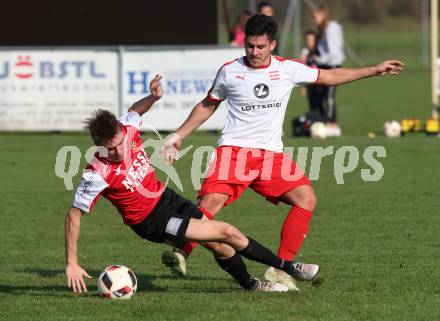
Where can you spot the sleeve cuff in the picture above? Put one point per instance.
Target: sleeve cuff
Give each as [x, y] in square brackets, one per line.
[213, 99]
[317, 77]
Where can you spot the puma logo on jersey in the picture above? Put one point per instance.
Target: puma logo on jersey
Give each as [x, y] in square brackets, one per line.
[261, 91]
[240, 77]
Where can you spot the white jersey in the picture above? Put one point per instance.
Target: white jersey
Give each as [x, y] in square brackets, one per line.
[257, 99]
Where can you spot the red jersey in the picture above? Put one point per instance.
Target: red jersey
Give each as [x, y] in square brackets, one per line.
[131, 186]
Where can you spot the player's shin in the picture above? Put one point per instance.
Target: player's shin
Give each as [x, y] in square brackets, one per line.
[293, 232]
[300, 271]
[238, 270]
[256, 252]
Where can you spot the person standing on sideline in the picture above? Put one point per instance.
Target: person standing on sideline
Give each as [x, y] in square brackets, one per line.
[238, 39]
[331, 55]
[257, 89]
[308, 55]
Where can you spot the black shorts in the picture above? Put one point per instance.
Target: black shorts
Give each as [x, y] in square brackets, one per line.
[168, 221]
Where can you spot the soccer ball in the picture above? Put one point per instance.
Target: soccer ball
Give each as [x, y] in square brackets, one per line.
[117, 282]
[392, 129]
[318, 130]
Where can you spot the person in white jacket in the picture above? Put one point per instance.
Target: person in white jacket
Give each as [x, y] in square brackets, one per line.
[331, 49]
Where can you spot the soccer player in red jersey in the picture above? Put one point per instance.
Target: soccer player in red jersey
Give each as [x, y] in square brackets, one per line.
[257, 88]
[121, 172]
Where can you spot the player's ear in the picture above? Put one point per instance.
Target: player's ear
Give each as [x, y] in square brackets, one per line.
[273, 44]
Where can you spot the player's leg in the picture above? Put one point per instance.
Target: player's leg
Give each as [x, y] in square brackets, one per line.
[296, 224]
[294, 230]
[175, 259]
[219, 188]
[232, 263]
[212, 203]
[285, 182]
[216, 231]
[163, 226]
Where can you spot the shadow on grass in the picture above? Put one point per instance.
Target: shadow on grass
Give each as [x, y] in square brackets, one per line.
[145, 284]
[44, 273]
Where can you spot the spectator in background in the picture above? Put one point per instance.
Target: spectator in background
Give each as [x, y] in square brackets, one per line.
[266, 8]
[331, 50]
[314, 92]
[239, 32]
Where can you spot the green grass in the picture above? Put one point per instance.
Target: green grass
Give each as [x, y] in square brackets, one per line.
[377, 243]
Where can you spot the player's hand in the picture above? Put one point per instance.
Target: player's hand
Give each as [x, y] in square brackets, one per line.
[389, 67]
[155, 87]
[170, 149]
[303, 91]
[75, 274]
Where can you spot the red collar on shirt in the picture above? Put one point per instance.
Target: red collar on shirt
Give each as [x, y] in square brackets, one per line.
[246, 62]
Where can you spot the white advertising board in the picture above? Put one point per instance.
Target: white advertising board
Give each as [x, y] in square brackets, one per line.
[187, 77]
[55, 90]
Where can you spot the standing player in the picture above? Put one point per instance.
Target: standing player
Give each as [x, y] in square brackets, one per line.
[257, 88]
[121, 172]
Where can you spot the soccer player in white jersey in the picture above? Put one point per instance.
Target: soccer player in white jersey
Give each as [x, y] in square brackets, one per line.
[121, 172]
[257, 88]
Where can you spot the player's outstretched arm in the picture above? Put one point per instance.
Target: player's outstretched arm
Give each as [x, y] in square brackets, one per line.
[74, 272]
[143, 105]
[338, 76]
[200, 113]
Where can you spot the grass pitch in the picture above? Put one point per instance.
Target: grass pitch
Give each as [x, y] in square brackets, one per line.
[377, 242]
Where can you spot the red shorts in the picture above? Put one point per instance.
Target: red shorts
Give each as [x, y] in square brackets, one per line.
[268, 173]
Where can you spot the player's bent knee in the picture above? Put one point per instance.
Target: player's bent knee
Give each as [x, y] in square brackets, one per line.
[213, 203]
[308, 201]
[232, 234]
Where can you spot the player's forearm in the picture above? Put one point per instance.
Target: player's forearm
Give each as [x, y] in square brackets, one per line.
[200, 113]
[72, 226]
[143, 105]
[340, 76]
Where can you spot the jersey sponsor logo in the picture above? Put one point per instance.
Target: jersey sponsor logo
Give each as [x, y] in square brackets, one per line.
[137, 172]
[256, 105]
[261, 91]
[240, 77]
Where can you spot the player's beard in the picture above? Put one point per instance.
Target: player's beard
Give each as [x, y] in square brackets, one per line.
[257, 62]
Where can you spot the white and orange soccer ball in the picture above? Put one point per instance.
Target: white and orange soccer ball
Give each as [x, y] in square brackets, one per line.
[392, 129]
[117, 282]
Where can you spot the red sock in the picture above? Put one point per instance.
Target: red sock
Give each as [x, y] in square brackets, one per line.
[189, 247]
[293, 232]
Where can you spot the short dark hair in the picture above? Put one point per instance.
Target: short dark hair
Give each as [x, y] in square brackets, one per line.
[311, 33]
[260, 24]
[103, 126]
[264, 4]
